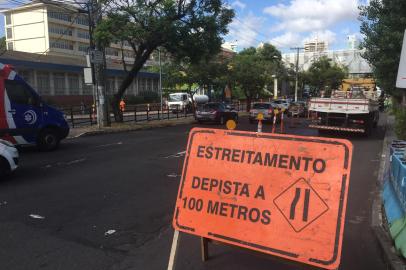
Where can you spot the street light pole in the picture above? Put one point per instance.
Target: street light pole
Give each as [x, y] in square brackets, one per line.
[297, 70]
[160, 77]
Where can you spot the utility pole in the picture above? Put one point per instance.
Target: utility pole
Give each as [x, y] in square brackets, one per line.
[98, 57]
[297, 69]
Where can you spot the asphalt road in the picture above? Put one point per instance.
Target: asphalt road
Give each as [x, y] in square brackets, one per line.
[106, 202]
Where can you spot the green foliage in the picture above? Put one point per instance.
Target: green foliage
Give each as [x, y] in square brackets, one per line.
[183, 28]
[400, 124]
[3, 46]
[253, 69]
[324, 74]
[383, 23]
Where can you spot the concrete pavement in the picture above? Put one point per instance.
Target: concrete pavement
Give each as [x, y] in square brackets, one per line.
[126, 184]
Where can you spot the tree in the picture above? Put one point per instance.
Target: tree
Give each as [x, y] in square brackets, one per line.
[324, 74]
[247, 72]
[3, 46]
[383, 23]
[203, 74]
[252, 70]
[183, 28]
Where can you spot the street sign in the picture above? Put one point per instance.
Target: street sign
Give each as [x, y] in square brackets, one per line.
[401, 79]
[88, 76]
[278, 194]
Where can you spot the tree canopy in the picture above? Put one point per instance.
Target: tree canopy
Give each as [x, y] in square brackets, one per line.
[324, 74]
[183, 28]
[383, 23]
[252, 70]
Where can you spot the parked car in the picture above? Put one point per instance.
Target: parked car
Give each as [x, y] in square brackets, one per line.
[297, 108]
[265, 108]
[8, 158]
[215, 112]
[24, 117]
[281, 104]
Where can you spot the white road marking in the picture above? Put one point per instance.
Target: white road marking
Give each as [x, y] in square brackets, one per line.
[64, 163]
[36, 216]
[110, 144]
[173, 175]
[109, 232]
[177, 155]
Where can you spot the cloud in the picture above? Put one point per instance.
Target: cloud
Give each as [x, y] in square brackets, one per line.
[292, 39]
[245, 30]
[312, 15]
[238, 4]
[288, 39]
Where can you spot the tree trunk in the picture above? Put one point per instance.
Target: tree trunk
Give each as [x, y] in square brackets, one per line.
[115, 105]
[139, 62]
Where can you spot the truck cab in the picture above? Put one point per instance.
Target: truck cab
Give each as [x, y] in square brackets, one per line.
[179, 102]
[24, 118]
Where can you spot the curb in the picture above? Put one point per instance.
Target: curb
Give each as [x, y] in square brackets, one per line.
[135, 127]
[391, 257]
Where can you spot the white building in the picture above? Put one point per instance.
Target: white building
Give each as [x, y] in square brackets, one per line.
[53, 28]
[357, 66]
[316, 46]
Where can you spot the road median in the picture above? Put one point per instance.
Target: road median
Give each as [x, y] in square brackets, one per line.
[127, 127]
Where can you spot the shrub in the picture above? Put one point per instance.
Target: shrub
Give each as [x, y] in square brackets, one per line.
[400, 124]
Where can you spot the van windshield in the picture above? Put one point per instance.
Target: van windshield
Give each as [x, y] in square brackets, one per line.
[175, 97]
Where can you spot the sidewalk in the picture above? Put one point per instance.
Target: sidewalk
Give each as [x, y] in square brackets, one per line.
[125, 127]
[378, 222]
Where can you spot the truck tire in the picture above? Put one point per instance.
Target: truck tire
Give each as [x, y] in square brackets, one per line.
[376, 120]
[4, 168]
[48, 139]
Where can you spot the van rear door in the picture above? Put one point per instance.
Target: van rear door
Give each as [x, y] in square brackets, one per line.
[23, 110]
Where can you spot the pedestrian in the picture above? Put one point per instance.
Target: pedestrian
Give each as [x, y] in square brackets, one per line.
[122, 106]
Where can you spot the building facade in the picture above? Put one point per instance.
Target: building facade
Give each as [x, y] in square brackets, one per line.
[316, 46]
[53, 28]
[60, 80]
[351, 58]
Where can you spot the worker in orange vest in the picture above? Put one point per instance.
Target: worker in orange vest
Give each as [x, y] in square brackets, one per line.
[122, 105]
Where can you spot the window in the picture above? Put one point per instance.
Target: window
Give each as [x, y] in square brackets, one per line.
[82, 20]
[9, 33]
[83, 34]
[83, 47]
[10, 46]
[60, 30]
[26, 75]
[61, 44]
[59, 84]
[73, 81]
[8, 18]
[128, 54]
[60, 16]
[19, 93]
[111, 51]
[43, 83]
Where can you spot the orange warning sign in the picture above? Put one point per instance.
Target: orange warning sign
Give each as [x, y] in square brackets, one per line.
[278, 194]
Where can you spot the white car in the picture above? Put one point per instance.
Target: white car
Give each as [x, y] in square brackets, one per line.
[280, 104]
[8, 158]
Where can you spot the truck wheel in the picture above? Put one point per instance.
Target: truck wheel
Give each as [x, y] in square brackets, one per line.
[48, 139]
[4, 168]
[368, 127]
[376, 120]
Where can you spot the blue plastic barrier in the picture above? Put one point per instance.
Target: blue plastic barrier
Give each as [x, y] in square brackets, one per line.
[394, 195]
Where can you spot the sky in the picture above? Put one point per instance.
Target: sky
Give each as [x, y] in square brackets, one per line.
[283, 23]
[289, 23]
